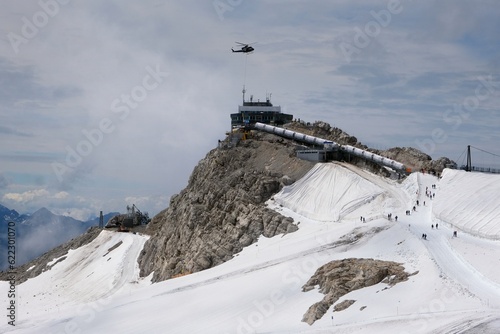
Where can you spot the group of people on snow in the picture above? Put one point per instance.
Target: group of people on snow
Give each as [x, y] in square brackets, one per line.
[430, 195]
[389, 217]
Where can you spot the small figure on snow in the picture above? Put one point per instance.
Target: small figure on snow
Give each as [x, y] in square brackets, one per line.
[432, 226]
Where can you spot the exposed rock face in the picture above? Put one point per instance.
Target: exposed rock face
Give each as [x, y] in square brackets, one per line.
[222, 209]
[415, 159]
[343, 305]
[340, 277]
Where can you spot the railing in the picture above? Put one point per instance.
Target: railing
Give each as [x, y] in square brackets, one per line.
[486, 170]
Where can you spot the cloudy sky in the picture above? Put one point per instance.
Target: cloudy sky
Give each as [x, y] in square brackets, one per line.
[109, 103]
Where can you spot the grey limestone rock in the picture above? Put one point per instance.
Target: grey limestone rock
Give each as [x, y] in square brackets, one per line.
[337, 278]
[222, 209]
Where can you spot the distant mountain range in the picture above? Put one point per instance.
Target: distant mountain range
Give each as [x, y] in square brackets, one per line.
[39, 232]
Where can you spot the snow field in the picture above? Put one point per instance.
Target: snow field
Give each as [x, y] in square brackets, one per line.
[469, 201]
[86, 274]
[331, 192]
[260, 289]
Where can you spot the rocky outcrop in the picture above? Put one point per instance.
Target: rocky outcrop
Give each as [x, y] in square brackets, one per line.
[343, 305]
[222, 209]
[337, 278]
[416, 160]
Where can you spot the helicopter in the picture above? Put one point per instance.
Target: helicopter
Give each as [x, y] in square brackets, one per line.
[245, 48]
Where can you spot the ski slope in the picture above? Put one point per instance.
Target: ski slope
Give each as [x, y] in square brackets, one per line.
[456, 290]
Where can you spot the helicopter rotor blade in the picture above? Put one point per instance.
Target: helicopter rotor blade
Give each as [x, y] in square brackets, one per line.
[246, 44]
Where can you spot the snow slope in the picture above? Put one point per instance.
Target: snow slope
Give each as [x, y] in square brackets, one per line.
[331, 192]
[259, 290]
[469, 201]
[89, 273]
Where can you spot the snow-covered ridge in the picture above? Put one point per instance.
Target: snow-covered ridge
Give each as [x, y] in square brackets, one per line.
[470, 202]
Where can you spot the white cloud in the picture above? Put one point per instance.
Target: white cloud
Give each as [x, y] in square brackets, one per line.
[26, 196]
[61, 195]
